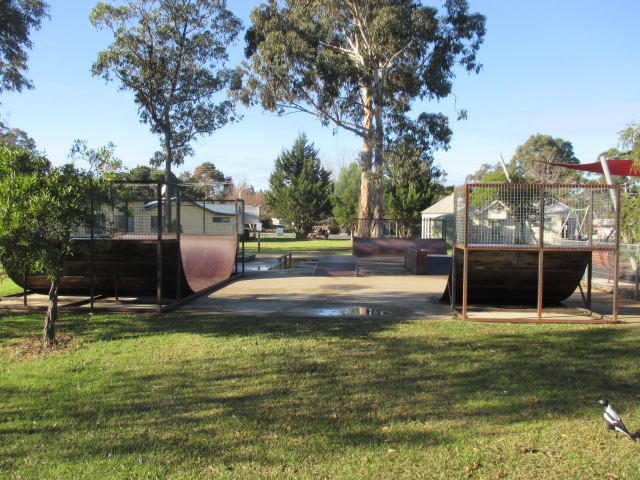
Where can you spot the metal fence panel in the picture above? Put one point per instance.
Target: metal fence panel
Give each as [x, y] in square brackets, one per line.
[144, 210]
[549, 216]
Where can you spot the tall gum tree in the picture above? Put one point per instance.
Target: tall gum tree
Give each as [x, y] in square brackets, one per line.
[171, 55]
[358, 65]
[17, 19]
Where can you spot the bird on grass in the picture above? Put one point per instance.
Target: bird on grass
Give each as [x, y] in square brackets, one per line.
[614, 422]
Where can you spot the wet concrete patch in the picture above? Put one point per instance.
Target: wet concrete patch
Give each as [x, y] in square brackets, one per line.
[351, 311]
[295, 263]
[345, 288]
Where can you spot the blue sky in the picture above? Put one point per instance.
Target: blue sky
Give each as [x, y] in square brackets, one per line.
[566, 68]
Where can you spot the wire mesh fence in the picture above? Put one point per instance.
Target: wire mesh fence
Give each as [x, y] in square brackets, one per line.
[158, 210]
[522, 215]
[628, 273]
[388, 227]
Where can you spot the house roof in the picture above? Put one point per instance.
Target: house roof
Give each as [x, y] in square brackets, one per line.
[251, 212]
[443, 207]
[228, 209]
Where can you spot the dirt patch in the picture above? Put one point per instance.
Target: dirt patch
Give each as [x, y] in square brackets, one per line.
[33, 347]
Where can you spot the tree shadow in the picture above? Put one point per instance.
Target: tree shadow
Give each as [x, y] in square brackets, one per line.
[362, 383]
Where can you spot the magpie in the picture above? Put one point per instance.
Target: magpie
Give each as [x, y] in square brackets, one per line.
[614, 422]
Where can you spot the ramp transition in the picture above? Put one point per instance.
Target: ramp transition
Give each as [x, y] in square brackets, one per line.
[510, 277]
[125, 266]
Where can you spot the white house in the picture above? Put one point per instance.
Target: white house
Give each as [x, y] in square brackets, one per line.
[438, 221]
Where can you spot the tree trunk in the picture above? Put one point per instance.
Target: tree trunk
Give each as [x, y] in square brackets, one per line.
[168, 160]
[49, 334]
[366, 164]
[364, 209]
[377, 197]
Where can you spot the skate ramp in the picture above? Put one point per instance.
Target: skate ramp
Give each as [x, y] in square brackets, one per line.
[207, 260]
[394, 247]
[510, 277]
[130, 266]
[336, 266]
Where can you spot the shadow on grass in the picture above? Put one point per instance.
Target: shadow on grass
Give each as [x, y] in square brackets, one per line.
[249, 389]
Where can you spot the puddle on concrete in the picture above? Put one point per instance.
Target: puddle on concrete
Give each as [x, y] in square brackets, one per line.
[294, 263]
[257, 268]
[345, 287]
[361, 311]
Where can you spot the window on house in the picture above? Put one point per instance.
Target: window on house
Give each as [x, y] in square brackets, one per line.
[98, 227]
[124, 223]
[154, 223]
[221, 219]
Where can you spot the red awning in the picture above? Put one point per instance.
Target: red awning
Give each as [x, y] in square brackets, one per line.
[616, 167]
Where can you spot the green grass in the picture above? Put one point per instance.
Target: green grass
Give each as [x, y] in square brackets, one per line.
[7, 286]
[283, 245]
[184, 397]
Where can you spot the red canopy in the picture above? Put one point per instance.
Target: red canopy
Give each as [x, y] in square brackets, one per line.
[616, 167]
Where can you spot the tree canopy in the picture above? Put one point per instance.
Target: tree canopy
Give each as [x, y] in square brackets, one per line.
[299, 187]
[359, 65]
[412, 183]
[16, 137]
[171, 55]
[630, 140]
[529, 163]
[346, 192]
[41, 209]
[17, 19]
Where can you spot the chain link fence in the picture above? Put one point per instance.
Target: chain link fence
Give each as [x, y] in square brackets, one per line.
[387, 227]
[154, 210]
[523, 215]
[628, 274]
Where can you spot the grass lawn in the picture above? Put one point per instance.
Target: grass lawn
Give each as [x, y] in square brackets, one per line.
[180, 397]
[7, 286]
[283, 245]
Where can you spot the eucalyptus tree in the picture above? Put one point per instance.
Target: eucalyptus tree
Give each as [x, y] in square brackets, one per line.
[171, 54]
[17, 19]
[359, 65]
[530, 161]
[629, 139]
[16, 137]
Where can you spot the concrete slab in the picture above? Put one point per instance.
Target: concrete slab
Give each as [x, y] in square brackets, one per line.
[383, 286]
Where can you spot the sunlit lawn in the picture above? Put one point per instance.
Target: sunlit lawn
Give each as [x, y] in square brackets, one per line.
[198, 397]
[288, 244]
[7, 286]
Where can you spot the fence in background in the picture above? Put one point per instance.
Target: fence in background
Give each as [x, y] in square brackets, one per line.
[157, 210]
[628, 273]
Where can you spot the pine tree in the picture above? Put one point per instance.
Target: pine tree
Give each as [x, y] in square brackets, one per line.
[299, 187]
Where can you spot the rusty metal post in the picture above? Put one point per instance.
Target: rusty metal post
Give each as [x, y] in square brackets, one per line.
[179, 256]
[465, 267]
[541, 255]
[159, 251]
[616, 302]
[91, 245]
[117, 275]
